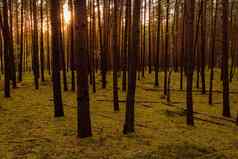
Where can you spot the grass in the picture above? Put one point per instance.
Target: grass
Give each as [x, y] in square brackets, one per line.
[28, 129]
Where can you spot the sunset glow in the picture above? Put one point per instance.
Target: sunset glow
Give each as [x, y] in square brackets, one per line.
[67, 13]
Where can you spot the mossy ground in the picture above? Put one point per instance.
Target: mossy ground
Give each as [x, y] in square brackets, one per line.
[28, 129]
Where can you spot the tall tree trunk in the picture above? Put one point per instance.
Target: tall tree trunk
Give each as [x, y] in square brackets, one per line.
[11, 47]
[225, 58]
[132, 58]
[203, 44]
[182, 65]
[1, 44]
[166, 49]
[158, 46]
[84, 123]
[62, 52]
[35, 46]
[55, 40]
[6, 37]
[21, 44]
[144, 41]
[149, 36]
[115, 57]
[48, 39]
[126, 43]
[72, 54]
[102, 49]
[189, 7]
[213, 53]
[42, 56]
[94, 38]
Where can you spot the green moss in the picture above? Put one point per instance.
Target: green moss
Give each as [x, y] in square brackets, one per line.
[29, 130]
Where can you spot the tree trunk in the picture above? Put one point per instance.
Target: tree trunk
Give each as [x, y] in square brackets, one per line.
[126, 48]
[21, 44]
[115, 57]
[225, 58]
[6, 37]
[166, 49]
[213, 53]
[102, 49]
[158, 46]
[189, 7]
[132, 58]
[55, 40]
[11, 48]
[72, 54]
[35, 59]
[84, 123]
[42, 56]
[203, 45]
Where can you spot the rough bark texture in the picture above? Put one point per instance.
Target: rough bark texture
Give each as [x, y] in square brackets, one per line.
[115, 57]
[84, 123]
[55, 21]
[132, 59]
[225, 58]
[189, 24]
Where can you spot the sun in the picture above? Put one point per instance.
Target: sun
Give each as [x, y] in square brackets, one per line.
[67, 13]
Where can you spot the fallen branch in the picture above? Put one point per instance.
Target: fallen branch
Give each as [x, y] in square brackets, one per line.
[204, 114]
[179, 90]
[147, 106]
[124, 101]
[197, 118]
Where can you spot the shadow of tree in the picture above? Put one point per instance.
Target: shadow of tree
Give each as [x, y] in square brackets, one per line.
[181, 151]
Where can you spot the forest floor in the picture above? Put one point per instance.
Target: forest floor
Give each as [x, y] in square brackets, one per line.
[28, 129]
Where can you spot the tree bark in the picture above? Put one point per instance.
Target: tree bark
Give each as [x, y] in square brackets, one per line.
[6, 37]
[225, 58]
[35, 59]
[55, 40]
[132, 59]
[115, 57]
[189, 7]
[84, 122]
